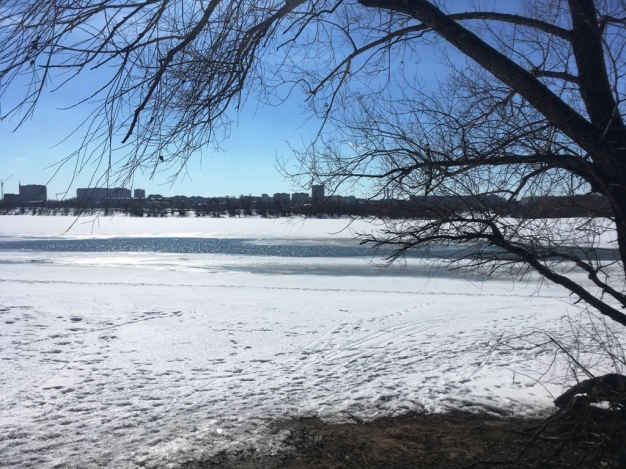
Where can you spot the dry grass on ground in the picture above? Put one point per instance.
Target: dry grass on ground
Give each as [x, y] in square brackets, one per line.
[453, 440]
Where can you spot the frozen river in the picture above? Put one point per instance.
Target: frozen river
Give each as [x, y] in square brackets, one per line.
[149, 359]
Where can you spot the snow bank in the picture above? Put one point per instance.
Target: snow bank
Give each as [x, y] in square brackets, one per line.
[26, 226]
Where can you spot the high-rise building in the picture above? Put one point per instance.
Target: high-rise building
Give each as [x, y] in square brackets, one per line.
[317, 193]
[11, 200]
[299, 198]
[93, 195]
[282, 197]
[139, 193]
[33, 193]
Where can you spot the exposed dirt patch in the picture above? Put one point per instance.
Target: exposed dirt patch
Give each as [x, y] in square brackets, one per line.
[453, 440]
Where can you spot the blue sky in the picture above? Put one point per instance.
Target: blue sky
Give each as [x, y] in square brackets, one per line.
[247, 164]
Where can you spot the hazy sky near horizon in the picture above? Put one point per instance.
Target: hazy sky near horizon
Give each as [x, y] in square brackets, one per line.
[260, 136]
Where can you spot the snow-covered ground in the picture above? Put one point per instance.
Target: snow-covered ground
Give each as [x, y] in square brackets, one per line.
[127, 360]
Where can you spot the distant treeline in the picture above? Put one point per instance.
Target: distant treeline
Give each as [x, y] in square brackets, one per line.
[589, 205]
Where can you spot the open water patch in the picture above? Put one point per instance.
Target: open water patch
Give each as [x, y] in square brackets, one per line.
[259, 247]
[234, 246]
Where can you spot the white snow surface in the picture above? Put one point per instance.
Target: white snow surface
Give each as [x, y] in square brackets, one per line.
[101, 226]
[128, 360]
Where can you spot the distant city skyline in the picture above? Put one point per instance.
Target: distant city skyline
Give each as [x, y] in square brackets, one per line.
[316, 192]
[38, 192]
